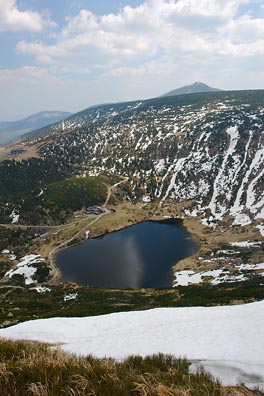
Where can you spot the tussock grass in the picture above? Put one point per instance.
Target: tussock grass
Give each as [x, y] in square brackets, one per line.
[33, 369]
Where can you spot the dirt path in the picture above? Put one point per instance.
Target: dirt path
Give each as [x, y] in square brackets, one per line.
[11, 288]
[55, 273]
[68, 225]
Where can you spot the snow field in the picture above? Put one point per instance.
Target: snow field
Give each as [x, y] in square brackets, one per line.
[228, 339]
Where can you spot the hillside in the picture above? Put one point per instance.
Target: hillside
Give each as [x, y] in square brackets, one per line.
[60, 373]
[196, 87]
[198, 156]
[10, 130]
[202, 149]
[49, 201]
[205, 335]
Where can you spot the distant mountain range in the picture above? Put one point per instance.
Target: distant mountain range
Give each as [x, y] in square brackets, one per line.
[10, 130]
[193, 88]
[41, 123]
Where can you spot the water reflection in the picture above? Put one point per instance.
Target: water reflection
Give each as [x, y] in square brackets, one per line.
[138, 256]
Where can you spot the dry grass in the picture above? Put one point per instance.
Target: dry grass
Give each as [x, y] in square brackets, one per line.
[33, 369]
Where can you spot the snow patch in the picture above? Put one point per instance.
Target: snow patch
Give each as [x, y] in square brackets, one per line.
[71, 296]
[225, 337]
[14, 216]
[25, 268]
[41, 193]
[241, 219]
[42, 289]
[217, 276]
[260, 227]
[259, 266]
[146, 199]
[185, 277]
[245, 244]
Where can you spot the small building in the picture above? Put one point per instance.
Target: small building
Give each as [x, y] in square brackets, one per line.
[94, 210]
[18, 150]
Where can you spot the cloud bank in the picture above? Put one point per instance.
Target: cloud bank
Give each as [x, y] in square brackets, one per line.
[143, 50]
[13, 19]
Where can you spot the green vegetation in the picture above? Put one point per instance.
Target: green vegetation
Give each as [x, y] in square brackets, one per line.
[17, 239]
[75, 193]
[32, 369]
[18, 177]
[54, 202]
[59, 200]
[26, 303]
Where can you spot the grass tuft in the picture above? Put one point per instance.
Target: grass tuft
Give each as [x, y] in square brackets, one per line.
[34, 369]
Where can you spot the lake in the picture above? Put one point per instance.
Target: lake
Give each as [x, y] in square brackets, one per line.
[139, 256]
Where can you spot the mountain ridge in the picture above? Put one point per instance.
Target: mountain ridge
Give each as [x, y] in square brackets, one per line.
[85, 115]
[168, 140]
[197, 87]
[202, 149]
[10, 130]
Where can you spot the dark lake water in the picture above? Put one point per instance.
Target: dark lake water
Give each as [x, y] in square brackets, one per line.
[135, 257]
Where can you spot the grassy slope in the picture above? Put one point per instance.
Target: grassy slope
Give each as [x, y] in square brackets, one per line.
[33, 369]
[21, 304]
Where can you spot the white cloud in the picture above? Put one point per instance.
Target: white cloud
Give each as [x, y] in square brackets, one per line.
[13, 19]
[178, 27]
[246, 29]
[140, 51]
[153, 68]
[29, 74]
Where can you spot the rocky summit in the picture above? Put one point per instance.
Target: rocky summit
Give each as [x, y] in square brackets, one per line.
[196, 87]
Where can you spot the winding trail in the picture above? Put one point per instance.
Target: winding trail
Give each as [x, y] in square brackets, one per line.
[55, 273]
[11, 288]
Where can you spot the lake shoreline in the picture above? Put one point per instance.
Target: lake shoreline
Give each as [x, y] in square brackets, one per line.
[125, 214]
[170, 244]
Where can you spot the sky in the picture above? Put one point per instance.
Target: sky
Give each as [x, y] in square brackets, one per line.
[71, 54]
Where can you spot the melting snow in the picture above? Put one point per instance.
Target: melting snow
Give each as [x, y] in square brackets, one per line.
[25, 268]
[185, 277]
[41, 193]
[220, 183]
[42, 289]
[245, 244]
[259, 266]
[71, 296]
[241, 219]
[261, 229]
[227, 339]
[14, 216]
[146, 199]
[217, 276]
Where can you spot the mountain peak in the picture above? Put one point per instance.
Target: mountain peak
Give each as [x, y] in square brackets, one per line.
[196, 87]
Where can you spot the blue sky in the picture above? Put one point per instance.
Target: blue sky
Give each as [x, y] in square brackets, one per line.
[70, 54]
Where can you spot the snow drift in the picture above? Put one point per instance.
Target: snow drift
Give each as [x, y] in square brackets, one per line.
[227, 340]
